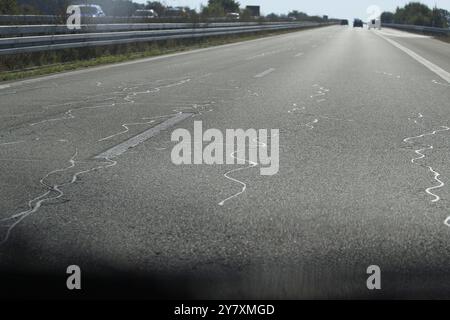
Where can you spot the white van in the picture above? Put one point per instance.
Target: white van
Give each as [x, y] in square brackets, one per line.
[375, 24]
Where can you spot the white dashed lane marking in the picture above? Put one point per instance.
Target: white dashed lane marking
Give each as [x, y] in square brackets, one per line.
[265, 73]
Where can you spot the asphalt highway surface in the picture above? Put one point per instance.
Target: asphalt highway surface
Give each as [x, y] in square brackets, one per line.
[364, 173]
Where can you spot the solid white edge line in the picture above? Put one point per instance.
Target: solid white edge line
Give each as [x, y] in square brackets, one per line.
[436, 69]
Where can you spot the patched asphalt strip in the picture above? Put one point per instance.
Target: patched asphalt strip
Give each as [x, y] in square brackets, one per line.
[142, 137]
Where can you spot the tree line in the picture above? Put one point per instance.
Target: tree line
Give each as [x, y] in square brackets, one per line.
[416, 13]
[125, 8]
[110, 7]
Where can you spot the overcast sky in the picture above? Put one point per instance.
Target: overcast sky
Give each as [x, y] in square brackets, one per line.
[333, 8]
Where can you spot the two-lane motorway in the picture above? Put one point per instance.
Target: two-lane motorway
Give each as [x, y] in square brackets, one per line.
[364, 173]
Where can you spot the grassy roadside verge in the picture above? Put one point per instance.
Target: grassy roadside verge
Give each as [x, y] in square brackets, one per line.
[43, 63]
[443, 38]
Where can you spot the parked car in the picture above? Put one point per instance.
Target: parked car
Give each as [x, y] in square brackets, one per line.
[344, 22]
[90, 10]
[149, 14]
[357, 23]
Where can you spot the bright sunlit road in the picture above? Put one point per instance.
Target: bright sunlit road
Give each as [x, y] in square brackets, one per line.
[363, 117]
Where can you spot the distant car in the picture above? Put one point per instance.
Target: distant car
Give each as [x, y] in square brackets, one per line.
[150, 14]
[344, 22]
[357, 23]
[90, 10]
[176, 12]
[233, 16]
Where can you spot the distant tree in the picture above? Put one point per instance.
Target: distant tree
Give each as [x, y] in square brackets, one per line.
[246, 15]
[298, 15]
[316, 19]
[192, 13]
[50, 7]
[387, 17]
[213, 10]
[272, 16]
[123, 8]
[8, 7]
[28, 9]
[399, 15]
[228, 5]
[188, 10]
[157, 6]
[219, 8]
[414, 13]
[439, 18]
[447, 17]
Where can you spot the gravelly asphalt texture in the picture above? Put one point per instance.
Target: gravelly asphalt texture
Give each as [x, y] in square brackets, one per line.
[347, 195]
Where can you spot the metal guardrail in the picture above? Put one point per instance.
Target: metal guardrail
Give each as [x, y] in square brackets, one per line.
[55, 19]
[53, 42]
[29, 30]
[26, 19]
[431, 30]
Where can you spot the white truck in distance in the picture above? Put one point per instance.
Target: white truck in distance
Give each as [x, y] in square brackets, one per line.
[375, 24]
